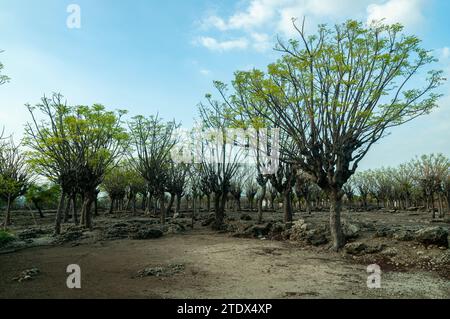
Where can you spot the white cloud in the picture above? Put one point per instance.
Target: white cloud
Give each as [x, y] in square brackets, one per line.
[256, 14]
[215, 45]
[406, 12]
[261, 41]
[205, 72]
[445, 53]
[262, 17]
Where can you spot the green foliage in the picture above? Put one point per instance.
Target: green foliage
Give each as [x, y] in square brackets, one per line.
[334, 94]
[43, 194]
[3, 78]
[74, 146]
[5, 238]
[14, 174]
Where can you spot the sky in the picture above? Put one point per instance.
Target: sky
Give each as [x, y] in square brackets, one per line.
[151, 56]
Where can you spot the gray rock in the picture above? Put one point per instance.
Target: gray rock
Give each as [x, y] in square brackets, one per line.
[356, 248]
[144, 234]
[433, 236]
[403, 235]
[351, 231]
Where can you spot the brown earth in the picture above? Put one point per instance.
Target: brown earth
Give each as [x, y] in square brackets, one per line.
[221, 266]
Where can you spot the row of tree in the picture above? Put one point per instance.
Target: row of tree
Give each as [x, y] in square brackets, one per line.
[325, 102]
[422, 182]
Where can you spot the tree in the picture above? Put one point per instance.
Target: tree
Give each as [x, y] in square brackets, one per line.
[14, 176]
[152, 142]
[335, 94]
[432, 172]
[219, 154]
[115, 184]
[283, 181]
[41, 195]
[3, 78]
[176, 183]
[251, 189]
[74, 146]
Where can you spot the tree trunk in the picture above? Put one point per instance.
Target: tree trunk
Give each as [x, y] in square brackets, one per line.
[86, 216]
[208, 203]
[172, 199]
[111, 207]
[287, 206]
[193, 211]
[432, 205]
[162, 209]
[67, 210]
[8, 213]
[219, 209]
[74, 207]
[308, 206]
[335, 219]
[96, 204]
[59, 214]
[38, 207]
[134, 204]
[260, 204]
[178, 205]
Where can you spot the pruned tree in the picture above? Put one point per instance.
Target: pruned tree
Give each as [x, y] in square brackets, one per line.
[176, 184]
[303, 190]
[14, 176]
[335, 94]
[115, 185]
[152, 141]
[74, 146]
[219, 154]
[251, 189]
[283, 181]
[42, 195]
[432, 171]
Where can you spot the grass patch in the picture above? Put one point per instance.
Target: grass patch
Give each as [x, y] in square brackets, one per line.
[5, 238]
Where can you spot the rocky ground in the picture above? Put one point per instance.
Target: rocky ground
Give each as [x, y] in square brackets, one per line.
[133, 256]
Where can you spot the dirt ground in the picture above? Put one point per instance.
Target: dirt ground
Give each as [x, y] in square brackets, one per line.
[214, 266]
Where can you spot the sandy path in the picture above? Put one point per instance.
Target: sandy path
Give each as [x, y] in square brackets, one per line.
[217, 266]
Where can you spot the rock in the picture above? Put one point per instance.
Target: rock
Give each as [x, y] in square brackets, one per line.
[302, 231]
[246, 217]
[391, 252]
[433, 236]
[351, 231]
[208, 221]
[403, 235]
[30, 233]
[116, 233]
[442, 259]
[144, 234]
[384, 232]
[356, 248]
[260, 230]
[254, 231]
[70, 235]
[27, 275]
[277, 230]
[161, 271]
[316, 237]
[175, 228]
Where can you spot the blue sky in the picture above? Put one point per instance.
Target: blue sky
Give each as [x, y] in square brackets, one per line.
[162, 56]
